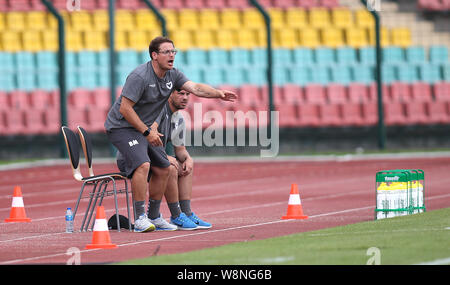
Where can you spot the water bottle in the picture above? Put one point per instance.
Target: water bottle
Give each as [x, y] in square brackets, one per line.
[69, 221]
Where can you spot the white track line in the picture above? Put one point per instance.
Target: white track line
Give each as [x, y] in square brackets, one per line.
[436, 262]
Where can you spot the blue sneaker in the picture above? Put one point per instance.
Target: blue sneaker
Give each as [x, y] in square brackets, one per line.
[183, 223]
[200, 223]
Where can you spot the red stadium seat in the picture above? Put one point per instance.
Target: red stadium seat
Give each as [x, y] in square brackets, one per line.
[33, 120]
[308, 3]
[315, 93]
[76, 117]
[41, 99]
[237, 4]
[329, 3]
[52, 120]
[13, 122]
[370, 113]
[287, 114]
[438, 112]
[336, 93]
[277, 95]
[19, 99]
[330, 115]
[95, 119]
[101, 98]
[79, 98]
[352, 114]
[249, 94]
[285, 4]
[373, 94]
[292, 93]
[442, 91]
[421, 92]
[125, 4]
[308, 115]
[358, 92]
[394, 113]
[400, 92]
[4, 100]
[215, 4]
[416, 113]
[172, 4]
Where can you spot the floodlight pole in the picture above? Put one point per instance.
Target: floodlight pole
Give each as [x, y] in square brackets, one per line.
[160, 17]
[61, 73]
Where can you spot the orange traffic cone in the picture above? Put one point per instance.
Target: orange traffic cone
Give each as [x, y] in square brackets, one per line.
[101, 238]
[17, 213]
[294, 210]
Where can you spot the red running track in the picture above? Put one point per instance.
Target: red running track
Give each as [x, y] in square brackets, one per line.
[243, 200]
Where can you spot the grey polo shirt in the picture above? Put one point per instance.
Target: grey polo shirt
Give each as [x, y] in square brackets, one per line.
[172, 126]
[148, 92]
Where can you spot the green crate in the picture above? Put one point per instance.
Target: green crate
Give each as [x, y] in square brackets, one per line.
[399, 192]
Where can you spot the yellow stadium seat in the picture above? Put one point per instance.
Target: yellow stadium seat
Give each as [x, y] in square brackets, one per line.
[332, 37]
[364, 19]
[81, 21]
[182, 39]
[53, 23]
[11, 41]
[31, 41]
[100, 20]
[261, 36]
[287, 37]
[124, 20]
[296, 17]
[36, 20]
[356, 37]
[120, 40]
[15, 20]
[401, 37]
[2, 21]
[171, 18]
[188, 19]
[384, 37]
[74, 41]
[342, 17]
[95, 40]
[146, 20]
[251, 18]
[231, 19]
[50, 40]
[276, 17]
[209, 19]
[153, 34]
[204, 39]
[138, 39]
[319, 18]
[309, 37]
[246, 38]
[226, 39]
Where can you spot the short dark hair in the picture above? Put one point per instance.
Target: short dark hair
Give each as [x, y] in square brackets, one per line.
[156, 42]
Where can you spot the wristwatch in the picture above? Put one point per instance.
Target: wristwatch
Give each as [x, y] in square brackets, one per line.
[147, 132]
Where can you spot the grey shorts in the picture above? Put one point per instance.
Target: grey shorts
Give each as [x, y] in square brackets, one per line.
[135, 150]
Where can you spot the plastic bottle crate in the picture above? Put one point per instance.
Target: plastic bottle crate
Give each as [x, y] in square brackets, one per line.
[399, 192]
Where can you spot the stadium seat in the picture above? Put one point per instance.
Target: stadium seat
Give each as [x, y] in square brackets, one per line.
[32, 41]
[208, 18]
[319, 17]
[415, 54]
[308, 4]
[47, 79]
[258, 57]
[392, 54]
[296, 17]
[421, 92]
[358, 93]
[446, 72]
[385, 39]
[13, 122]
[324, 56]
[230, 18]
[15, 20]
[280, 75]
[367, 55]
[330, 115]
[205, 39]
[308, 115]
[346, 55]
[76, 116]
[235, 75]
[364, 19]
[438, 54]
[429, 73]
[336, 93]
[277, 18]
[394, 113]
[100, 20]
[302, 56]
[252, 19]
[188, 19]
[407, 72]
[437, 112]
[196, 57]
[341, 74]
[125, 20]
[315, 93]
[362, 73]
[370, 113]
[292, 93]
[33, 120]
[416, 112]
[441, 91]
[388, 74]
[49, 40]
[309, 37]
[299, 75]
[19, 99]
[41, 99]
[214, 76]
[356, 37]
[79, 98]
[342, 17]
[10, 41]
[215, 4]
[352, 114]
[256, 76]
[194, 73]
[249, 94]
[281, 56]
[245, 39]
[400, 92]
[240, 4]
[287, 114]
[95, 119]
[239, 57]
[320, 74]
[288, 38]
[401, 37]
[81, 21]
[332, 37]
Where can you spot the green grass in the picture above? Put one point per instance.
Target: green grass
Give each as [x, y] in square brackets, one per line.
[401, 240]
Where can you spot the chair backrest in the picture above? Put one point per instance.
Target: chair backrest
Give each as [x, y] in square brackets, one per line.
[86, 145]
[73, 149]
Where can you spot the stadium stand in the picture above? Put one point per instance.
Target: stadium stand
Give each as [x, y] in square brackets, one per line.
[323, 54]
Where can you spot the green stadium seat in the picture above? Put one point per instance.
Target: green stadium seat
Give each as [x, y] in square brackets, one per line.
[415, 54]
[367, 55]
[392, 54]
[218, 57]
[239, 57]
[438, 54]
[324, 56]
[346, 55]
[302, 56]
[429, 72]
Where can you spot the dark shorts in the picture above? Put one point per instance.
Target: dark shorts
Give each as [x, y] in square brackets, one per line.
[135, 150]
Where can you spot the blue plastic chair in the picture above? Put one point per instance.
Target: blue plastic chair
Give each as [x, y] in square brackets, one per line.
[362, 73]
[194, 73]
[87, 77]
[218, 57]
[282, 56]
[196, 57]
[392, 54]
[86, 59]
[324, 56]
[24, 59]
[7, 82]
[438, 54]
[367, 55]
[47, 80]
[239, 57]
[46, 60]
[214, 76]
[280, 75]
[26, 79]
[320, 74]
[258, 57]
[235, 75]
[407, 72]
[429, 72]
[341, 74]
[346, 55]
[256, 76]
[299, 74]
[415, 54]
[388, 73]
[302, 56]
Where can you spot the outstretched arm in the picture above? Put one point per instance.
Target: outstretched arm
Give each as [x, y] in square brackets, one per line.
[204, 90]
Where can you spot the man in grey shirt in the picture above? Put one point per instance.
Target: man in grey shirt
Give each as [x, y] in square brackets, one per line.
[130, 119]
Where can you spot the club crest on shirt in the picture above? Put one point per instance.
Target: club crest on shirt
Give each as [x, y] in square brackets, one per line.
[169, 85]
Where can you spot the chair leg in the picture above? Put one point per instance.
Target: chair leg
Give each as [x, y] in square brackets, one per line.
[78, 201]
[88, 207]
[128, 204]
[116, 204]
[101, 193]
